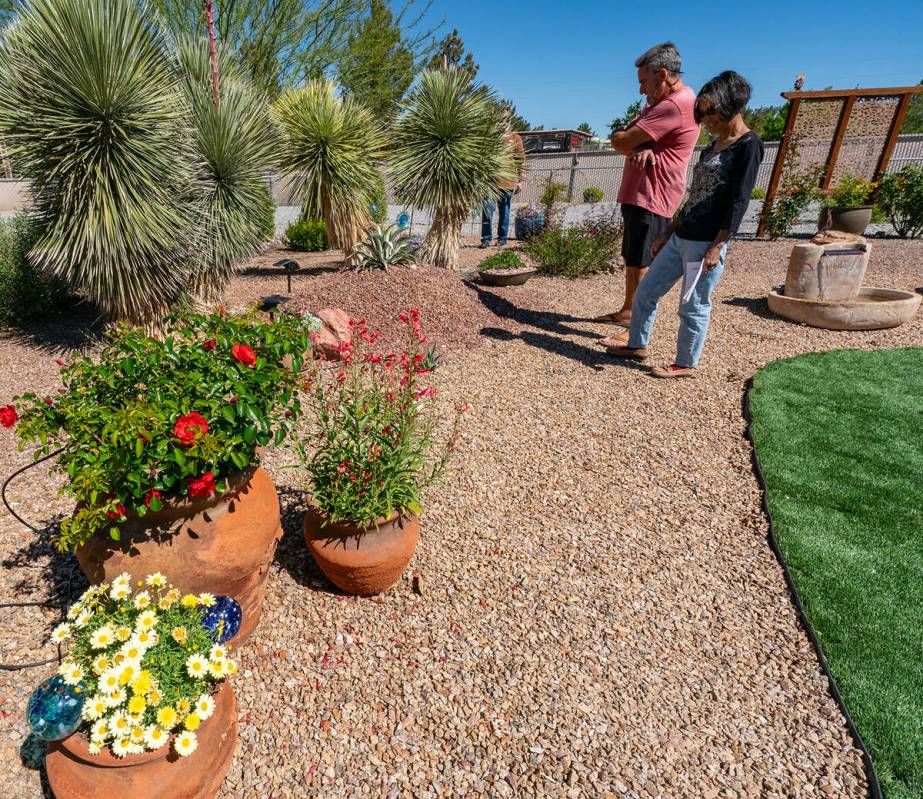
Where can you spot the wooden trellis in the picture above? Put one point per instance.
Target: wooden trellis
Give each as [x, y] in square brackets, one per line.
[868, 119]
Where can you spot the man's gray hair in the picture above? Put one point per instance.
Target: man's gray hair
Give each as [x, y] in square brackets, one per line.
[661, 56]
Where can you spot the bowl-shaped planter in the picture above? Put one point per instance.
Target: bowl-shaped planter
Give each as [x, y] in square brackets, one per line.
[362, 561]
[848, 219]
[161, 774]
[506, 277]
[221, 544]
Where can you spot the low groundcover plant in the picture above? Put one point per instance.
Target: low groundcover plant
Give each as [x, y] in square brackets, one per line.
[374, 446]
[159, 416]
[146, 663]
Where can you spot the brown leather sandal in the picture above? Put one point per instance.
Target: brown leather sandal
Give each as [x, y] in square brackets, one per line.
[673, 371]
[632, 353]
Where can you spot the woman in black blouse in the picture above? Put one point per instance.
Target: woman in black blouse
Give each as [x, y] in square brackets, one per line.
[721, 185]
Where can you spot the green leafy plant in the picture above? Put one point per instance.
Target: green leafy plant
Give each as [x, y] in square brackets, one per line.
[307, 235]
[448, 154]
[378, 209]
[155, 417]
[24, 293]
[551, 194]
[332, 147]
[758, 193]
[146, 662]
[507, 259]
[576, 250]
[592, 195]
[267, 217]
[850, 192]
[797, 190]
[373, 446]
[384, 246]
[900, 198]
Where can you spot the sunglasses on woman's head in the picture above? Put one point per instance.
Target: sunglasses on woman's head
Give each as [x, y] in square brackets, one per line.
[701, 113]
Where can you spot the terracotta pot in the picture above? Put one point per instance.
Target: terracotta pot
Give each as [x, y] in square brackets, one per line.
[220, 544]
[362, 561]
[74, 773]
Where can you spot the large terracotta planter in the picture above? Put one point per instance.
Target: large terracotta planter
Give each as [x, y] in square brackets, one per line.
[362, 561]
[162, 774]
[219, 544]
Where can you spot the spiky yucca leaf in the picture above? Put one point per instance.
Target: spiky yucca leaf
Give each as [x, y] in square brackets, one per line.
[89, 115]
[233, 145]
[331, 151]
[384, 246]
[449, 154]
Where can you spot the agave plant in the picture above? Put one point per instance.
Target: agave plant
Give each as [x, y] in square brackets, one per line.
[331, 150]
[89, 115]
[449, 154]
[384, 246]
[233, 143]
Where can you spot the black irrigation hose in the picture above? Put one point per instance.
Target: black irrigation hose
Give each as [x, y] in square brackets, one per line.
[47, 602]
[874, 787]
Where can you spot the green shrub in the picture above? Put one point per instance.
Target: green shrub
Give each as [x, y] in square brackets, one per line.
[850, 192]
[267, 216]
[758, 193]
[798, 191]
[307, 235]
[25, 293]
[592, 194]
[508, 259]
[900, 198]
[378, 208]
[553, 193]
[576, 250]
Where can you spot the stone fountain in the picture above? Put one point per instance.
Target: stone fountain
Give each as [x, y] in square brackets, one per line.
[823, 288]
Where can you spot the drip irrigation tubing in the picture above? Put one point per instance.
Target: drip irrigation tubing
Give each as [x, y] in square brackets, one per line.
[871, 776]
[32, 604]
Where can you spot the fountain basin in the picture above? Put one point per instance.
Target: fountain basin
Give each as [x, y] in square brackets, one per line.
[873, 309]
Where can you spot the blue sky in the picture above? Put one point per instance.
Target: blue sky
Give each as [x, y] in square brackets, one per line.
[563, 63]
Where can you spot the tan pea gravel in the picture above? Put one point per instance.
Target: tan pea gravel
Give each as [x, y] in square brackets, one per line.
[601, 615]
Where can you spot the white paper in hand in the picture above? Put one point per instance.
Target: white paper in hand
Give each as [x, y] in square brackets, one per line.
[691, 277]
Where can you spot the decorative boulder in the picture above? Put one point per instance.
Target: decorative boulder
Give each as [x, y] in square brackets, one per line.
[831, 272]
[335, 330]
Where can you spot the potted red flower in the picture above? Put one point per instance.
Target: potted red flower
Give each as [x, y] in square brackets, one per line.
[160, 441]
[372, 450]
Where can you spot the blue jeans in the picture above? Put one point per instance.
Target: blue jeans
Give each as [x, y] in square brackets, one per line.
[487, 215]
[666, 269]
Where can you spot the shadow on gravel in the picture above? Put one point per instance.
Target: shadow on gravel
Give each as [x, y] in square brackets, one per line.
[76, 328]
[758, 306]
[292, 553]
[275, 271]
[550, 321]
[593, 357]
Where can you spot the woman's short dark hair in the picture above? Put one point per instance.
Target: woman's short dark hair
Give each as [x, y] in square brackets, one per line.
[728, 94]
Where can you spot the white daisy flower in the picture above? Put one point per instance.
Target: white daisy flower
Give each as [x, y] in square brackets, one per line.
[123, 633]
[120, 591]
[132, 650]
[146, 620]
[145, 638]
[218, 652]
[102, 638]
[137, 734]
[61, 633]
[142, 600]
[205, 706]
[129, 670]
[117, 698]
[231, 667]
[120, 724]
[71, 672]
[109, 680]
[123, 579]
[218, 669]
[155, 736]
[94, 707]
[156, 580]
[94, 748]
[206, 600]
[135, 748]
[197, 666]
[100, 664]
[185, 743]
[83, 619]
[74, 611]
[121, 747]
[99, 731]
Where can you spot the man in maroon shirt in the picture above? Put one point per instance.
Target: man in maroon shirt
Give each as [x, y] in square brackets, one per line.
[658, 144]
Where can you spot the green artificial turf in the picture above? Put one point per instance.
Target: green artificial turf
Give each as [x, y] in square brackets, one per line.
[839, 437]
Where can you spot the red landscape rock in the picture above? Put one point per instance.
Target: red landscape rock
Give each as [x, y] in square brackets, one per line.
[335, 331]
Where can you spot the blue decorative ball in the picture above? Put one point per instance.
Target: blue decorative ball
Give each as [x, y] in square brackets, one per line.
[403, 220]
[54, 709]
[223, 618]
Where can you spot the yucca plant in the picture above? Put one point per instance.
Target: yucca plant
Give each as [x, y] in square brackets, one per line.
[88, 112]
[448, 155]
[384, 246]
[233, 143]
[331, 151]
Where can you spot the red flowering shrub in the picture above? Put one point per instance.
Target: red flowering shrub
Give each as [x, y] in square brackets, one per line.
[374, 444]
[174, 415]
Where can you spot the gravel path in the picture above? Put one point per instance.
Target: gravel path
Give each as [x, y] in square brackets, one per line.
[601, 615]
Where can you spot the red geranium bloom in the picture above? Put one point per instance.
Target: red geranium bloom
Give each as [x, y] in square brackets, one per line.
[203, 486]
[244, 353]
[118, 513]
[151, 495]
[209, 345]
[189, 428]
[8, 416]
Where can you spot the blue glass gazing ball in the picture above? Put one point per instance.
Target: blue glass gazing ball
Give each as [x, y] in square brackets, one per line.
[54, 709]
[223, 618]
[402, 220]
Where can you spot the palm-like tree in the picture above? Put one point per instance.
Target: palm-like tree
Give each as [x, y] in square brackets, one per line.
[88, 111]
[449, 154]
[331, 150]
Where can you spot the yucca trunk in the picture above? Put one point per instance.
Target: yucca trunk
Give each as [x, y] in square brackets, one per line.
[441, 245]
[343, 226]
